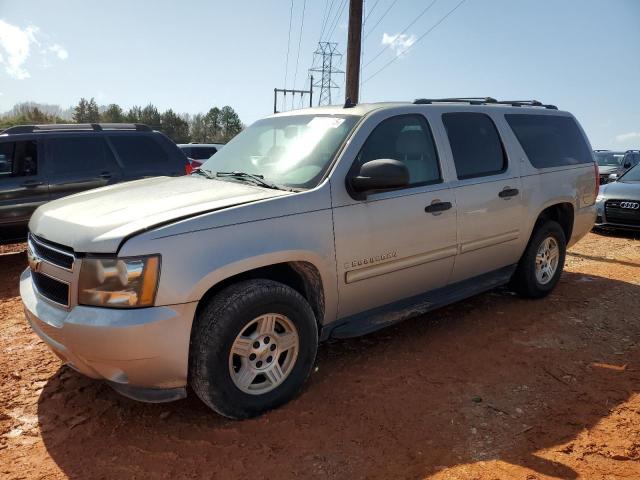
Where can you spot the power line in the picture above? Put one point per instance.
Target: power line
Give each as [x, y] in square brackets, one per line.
[366, 17]
[401, 33]
[286, 67]
[326, 18]
[418, 40]
[380, 19]
[337, 20]
[295, 76]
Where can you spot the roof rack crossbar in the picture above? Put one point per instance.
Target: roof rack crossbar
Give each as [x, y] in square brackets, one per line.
[484, 101]
[96, 127]
[469, 100]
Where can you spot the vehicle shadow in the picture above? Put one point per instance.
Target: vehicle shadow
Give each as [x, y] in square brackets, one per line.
[617, 233]
[11, 265]
[493, 377]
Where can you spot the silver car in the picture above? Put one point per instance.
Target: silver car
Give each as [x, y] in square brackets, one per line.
[318, 223]
[618, 203]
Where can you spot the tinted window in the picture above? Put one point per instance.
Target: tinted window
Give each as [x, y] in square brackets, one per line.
[202, 153]
[18, 159]
[550, 141]
[406, 138]
[475, 144]
[632, 157]
[80, 154]
[138, 150]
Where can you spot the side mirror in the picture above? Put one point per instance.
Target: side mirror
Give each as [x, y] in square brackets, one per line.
[613, 177]
[383, 174]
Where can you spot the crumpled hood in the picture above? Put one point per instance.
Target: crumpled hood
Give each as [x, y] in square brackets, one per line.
[621, 191]
[98, 220]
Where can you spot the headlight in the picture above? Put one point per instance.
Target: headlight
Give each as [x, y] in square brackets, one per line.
[119, 282]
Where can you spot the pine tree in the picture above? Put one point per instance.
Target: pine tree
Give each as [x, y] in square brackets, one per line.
[150, 116]
[230, 123]
[80, 111]
[113, 114]
[93, 113]
[176, 128]
[134, 115]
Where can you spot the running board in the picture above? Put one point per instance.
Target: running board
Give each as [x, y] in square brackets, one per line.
[386, 315]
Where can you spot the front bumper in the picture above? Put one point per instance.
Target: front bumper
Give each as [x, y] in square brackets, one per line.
[143, 353]
[604, 223]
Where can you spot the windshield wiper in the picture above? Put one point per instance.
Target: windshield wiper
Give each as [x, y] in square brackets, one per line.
[258, 179]
[204, 173]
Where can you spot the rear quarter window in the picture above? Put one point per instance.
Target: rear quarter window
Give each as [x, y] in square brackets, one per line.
[550, 140]
[138, 150]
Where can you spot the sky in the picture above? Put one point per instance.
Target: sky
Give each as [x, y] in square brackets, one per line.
[582, 55]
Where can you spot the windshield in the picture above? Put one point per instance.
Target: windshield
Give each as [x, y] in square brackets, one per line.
[632, 175]
[609, 159]
[293, 150]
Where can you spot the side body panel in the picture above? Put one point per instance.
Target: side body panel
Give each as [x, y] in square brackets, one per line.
[218, 245]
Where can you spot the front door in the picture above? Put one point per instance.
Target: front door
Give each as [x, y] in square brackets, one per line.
[396, 244]
[23, 186]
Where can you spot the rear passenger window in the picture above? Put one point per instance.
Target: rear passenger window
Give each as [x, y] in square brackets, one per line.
[550, 140]
[475, 144]
[138, 150]
[406, 138]
[202, 153]
[18, 159]
[80, 154]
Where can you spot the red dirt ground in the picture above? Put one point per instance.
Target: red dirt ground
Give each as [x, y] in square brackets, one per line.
[494, 387]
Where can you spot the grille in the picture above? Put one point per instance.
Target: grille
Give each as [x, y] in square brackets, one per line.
[56, 254]
[50, 288]
[624, 216]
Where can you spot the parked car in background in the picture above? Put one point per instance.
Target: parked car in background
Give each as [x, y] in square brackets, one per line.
[608, 162]
[39, 163]
[198, 153]
[618, 203]
[319, 223]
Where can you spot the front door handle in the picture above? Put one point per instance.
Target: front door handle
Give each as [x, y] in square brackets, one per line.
[106, 175]
[508, 193]
[32, 183]
[437, 207]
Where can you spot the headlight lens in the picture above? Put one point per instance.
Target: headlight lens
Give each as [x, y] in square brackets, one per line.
[119, 282]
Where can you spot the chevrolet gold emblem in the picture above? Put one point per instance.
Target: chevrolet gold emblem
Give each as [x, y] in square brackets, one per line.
[34, 261]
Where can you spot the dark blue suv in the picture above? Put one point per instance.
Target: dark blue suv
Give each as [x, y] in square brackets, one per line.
[39, 163]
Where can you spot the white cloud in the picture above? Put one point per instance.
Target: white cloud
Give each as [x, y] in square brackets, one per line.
[625, 137]
[16, 46]
[60, 51]
[399, 42]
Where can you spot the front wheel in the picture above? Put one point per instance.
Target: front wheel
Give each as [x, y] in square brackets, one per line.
[252, 348]
[542, 263]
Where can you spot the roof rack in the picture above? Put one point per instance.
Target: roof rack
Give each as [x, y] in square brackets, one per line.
[484, 101]
[70, 127]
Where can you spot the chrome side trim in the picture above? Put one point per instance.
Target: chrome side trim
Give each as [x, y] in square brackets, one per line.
[400, 264]
[489, 241]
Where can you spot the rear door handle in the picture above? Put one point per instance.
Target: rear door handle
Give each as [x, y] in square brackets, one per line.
[32, 183]
[508, 192]
[437, 207]
[106, 175]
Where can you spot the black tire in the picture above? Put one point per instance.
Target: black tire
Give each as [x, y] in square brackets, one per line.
[524, 281]
[217, 326]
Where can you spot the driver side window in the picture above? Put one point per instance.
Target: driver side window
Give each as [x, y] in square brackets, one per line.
[408, 139]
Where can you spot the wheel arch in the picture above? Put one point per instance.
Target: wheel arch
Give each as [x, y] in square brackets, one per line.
[301, 275]
[561, 212]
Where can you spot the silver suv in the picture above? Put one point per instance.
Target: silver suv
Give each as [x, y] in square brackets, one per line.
[318, 223]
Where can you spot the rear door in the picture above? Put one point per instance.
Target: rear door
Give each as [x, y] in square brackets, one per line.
[488, 195]
[143, 156]
[23, 185]
[79, 162]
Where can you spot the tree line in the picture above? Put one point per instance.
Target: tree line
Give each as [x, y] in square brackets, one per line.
[218, 125]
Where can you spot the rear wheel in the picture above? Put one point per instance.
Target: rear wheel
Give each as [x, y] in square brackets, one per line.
[252, 348]
[542, 263]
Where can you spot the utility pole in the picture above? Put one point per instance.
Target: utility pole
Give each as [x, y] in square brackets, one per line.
[354, 39]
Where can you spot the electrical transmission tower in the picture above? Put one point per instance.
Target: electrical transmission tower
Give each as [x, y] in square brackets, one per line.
[328, 56]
